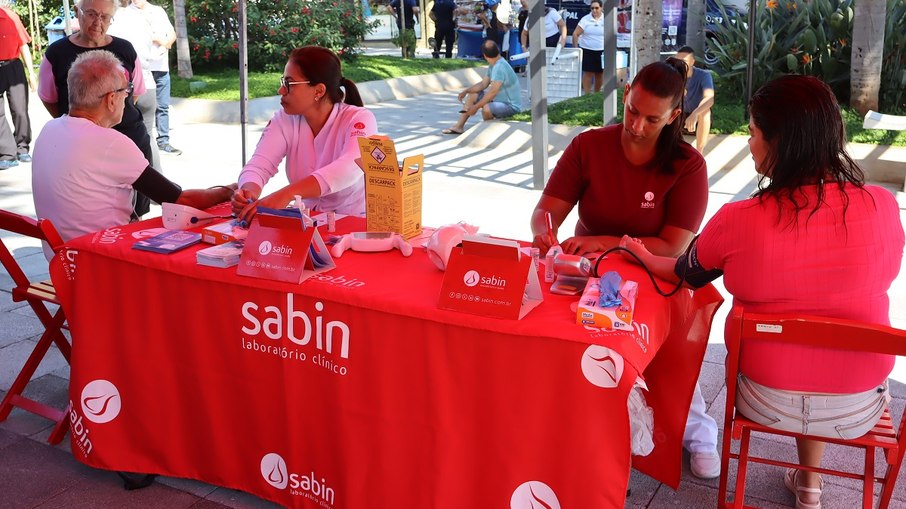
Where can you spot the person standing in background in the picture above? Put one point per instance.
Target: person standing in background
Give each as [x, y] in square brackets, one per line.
[442, 15]
[410, 12]
[589, 36]
[14, 146]
[163, 35]
[129, 24]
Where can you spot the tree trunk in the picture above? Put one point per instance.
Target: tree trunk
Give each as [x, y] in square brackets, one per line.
[183, 58]
[647, 19]
[867, 54]
[695, 16]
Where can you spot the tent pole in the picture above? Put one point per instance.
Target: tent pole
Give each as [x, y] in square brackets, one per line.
[243, 76]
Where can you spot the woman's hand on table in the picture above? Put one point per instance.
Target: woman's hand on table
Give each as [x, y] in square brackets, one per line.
[544, 241]
[636, 247]
[580, 245]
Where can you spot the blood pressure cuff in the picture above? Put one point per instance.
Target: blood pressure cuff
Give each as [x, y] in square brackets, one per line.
[690, 270]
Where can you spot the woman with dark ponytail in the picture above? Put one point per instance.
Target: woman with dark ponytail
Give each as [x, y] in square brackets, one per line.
[316, 132]
[638, 176]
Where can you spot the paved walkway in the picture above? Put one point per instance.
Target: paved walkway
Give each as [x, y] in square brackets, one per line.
[489, 187]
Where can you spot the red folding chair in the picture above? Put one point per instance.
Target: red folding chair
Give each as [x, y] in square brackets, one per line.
[37, 295]
[827, 333]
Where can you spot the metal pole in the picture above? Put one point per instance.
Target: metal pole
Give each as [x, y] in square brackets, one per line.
[538, 76]
[243, 76]
[609, 90]
[67, 16]
[750, 58]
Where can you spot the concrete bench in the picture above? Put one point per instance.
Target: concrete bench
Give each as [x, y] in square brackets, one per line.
[875, 120]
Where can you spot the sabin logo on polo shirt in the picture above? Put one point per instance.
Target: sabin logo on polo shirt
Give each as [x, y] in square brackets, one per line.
[277, 474]
[649, 200]
[534, 495]
[602, 366]
[472, 278]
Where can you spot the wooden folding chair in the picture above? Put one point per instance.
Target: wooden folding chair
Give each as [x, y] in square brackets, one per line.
[827, 333]
[37, 295]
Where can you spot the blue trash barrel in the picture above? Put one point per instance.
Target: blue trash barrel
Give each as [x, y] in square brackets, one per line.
[468, 43]
[55, 30]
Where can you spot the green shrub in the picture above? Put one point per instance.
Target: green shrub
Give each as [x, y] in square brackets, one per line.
[275, 27]
[810, 37]
[791, 36]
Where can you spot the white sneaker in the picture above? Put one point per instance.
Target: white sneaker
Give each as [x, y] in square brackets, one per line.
[705, 465]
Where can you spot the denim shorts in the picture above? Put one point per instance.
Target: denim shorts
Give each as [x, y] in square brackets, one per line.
[845, 416]
[499, 109]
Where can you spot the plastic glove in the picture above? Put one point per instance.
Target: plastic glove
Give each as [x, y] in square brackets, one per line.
[610, 290]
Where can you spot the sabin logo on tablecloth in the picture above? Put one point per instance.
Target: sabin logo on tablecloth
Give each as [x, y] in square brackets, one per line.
[471, 278]
[309, 486]
[602, 366]
[100, 401]
[534, 495]
[273, 469]
[265, 247]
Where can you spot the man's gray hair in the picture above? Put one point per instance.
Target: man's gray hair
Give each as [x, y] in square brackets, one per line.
[92, 76]
[80, 2]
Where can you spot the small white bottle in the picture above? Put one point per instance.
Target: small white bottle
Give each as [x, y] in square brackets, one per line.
[552, 253]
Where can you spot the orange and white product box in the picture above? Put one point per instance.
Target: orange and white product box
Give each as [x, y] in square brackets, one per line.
[393, 193]
[617, 317]
[224, 232]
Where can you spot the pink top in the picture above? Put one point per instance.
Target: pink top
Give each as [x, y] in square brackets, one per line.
[330, 156]
[47, 88]
[826, 265]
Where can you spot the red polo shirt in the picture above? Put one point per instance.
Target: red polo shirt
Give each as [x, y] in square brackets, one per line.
[12, 34]
[616, 197]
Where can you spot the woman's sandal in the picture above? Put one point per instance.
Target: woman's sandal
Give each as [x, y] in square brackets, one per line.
[789, 480]
[451, 131]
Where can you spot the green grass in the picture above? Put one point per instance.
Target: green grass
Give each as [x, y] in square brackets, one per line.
[727, 117]
[224, 84]
[728, 114]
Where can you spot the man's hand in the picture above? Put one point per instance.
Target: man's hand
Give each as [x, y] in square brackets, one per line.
[462, 95]
[690, 123]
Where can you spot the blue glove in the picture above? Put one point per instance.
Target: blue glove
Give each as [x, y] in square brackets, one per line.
[610, 290]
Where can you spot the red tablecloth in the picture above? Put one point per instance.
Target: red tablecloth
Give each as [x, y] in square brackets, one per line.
[353, 390]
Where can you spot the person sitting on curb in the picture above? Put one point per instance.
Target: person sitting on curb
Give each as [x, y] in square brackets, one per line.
[497, 96]
[699, 99]
[84, 173]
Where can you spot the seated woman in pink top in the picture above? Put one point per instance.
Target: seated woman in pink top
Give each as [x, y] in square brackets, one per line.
[316, 132]
[814, 240]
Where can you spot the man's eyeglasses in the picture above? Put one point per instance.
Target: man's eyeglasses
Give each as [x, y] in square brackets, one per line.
[595, 8]
[128, 89]
[286, 83]
[94, 16]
